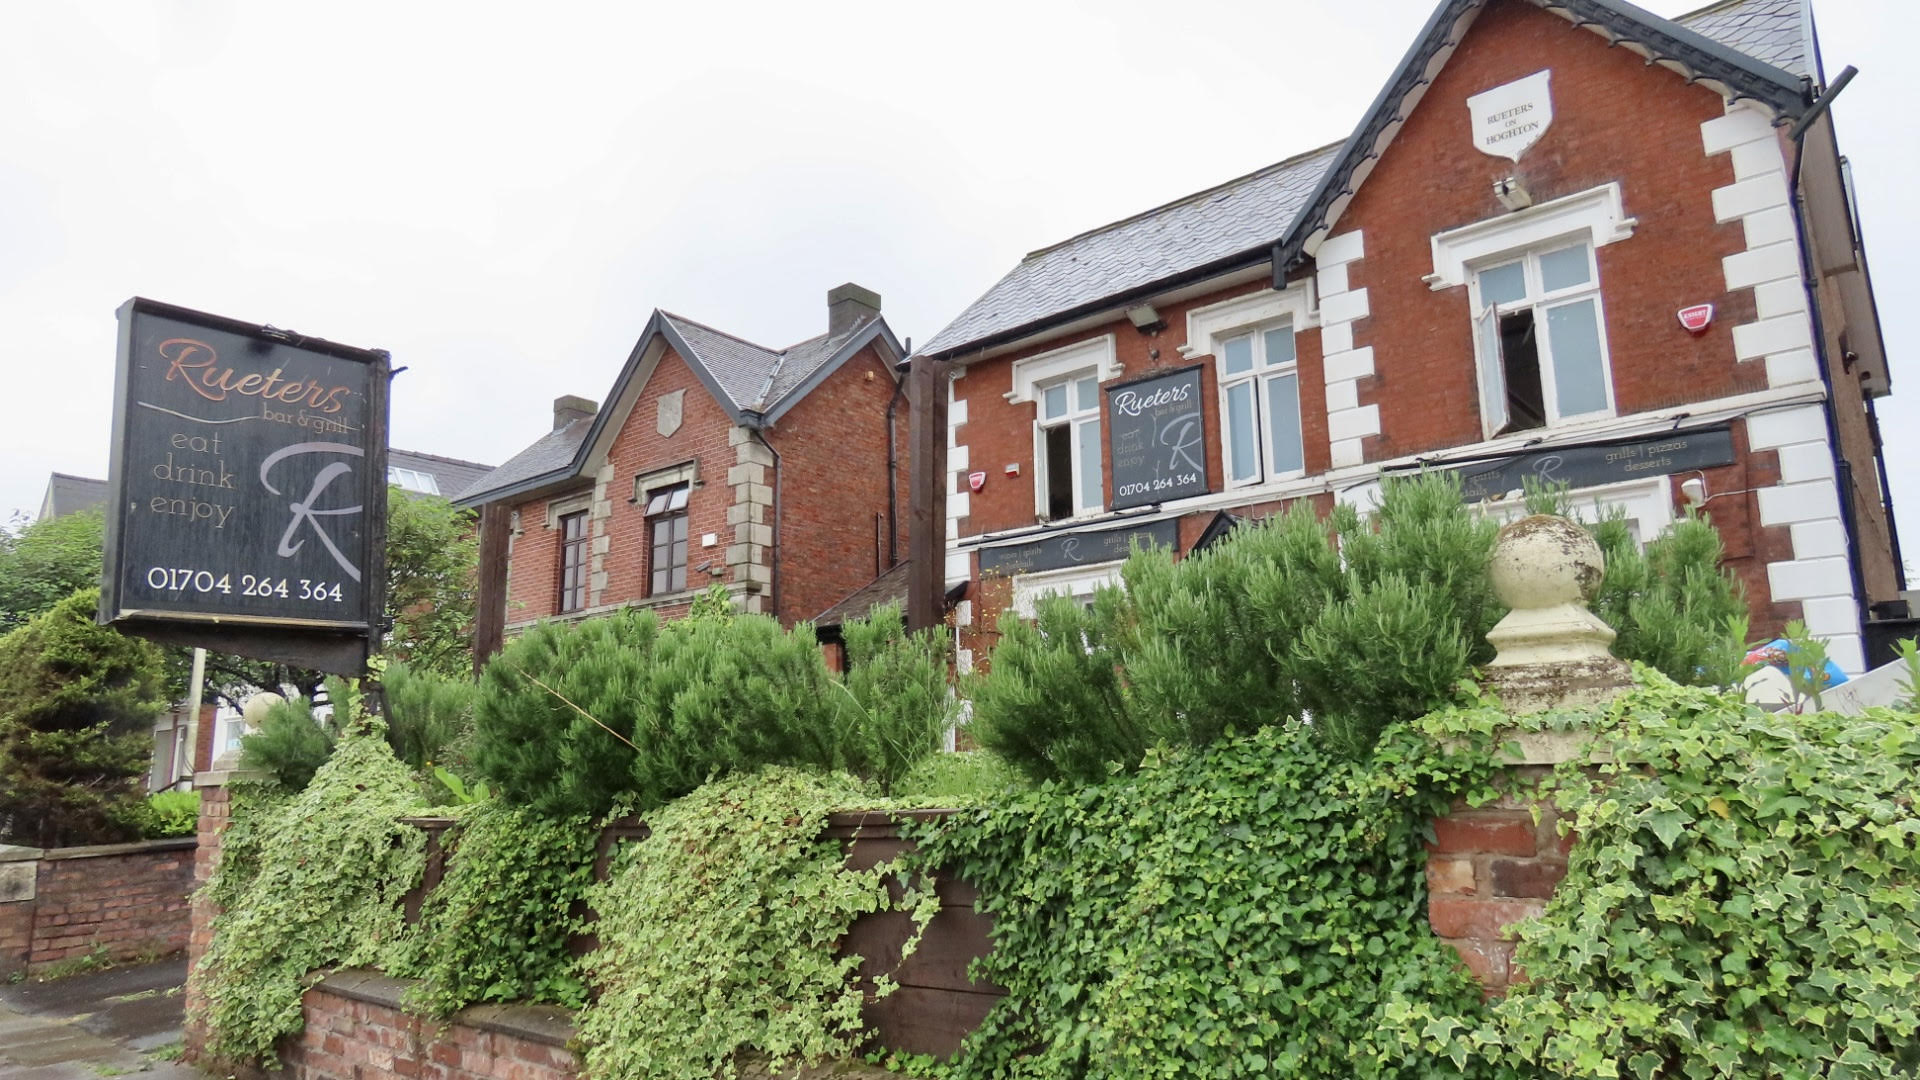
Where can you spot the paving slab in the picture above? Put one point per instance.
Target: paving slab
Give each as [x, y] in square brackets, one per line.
[88, 1027]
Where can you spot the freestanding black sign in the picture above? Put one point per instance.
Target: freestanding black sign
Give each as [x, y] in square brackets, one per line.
[1156, 439]
[248, 488]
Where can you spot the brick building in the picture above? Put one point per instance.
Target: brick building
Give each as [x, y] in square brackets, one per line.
[1569, 240]
[714, 460]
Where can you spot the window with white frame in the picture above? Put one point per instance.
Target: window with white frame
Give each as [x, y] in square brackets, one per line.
[1260, 404]
[1540, 338]
[1067, 446]
[413, 480]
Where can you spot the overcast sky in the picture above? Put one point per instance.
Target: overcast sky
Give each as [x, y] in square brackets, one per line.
[500, 194]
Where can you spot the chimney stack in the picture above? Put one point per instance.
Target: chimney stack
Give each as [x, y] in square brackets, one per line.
[848, 305]
[567, 408]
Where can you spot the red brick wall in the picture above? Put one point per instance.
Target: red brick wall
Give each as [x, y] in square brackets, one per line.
[215, 815]
[122, 901]
[999, 432]
[833, 487]
[1614, 119]
[350, 1038]
[1488, 869]
[639, 448]
[533, 567]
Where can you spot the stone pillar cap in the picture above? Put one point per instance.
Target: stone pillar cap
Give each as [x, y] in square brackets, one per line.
[1552, 651]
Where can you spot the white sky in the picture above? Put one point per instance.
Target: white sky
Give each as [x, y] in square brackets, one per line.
[500, 194]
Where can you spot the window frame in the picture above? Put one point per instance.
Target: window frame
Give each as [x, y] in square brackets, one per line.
[571, 547]
[1075, 418]
[668, 516]
[1488, 355]
[1260, 375]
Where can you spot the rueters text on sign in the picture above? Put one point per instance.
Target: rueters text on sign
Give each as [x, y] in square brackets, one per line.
[248, 488]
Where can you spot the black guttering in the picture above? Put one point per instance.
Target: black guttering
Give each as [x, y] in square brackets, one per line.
[1624, 23]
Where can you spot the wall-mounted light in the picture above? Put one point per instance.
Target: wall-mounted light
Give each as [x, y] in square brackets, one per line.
[1145, 319]
[1512, 193]
[1694, 490]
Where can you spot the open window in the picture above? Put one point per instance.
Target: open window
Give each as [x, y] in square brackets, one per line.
[1067, 438]
[1539, 340]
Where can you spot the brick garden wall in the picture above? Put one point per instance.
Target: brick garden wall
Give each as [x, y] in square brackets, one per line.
[120, 901]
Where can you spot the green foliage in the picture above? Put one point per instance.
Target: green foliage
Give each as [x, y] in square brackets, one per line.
[1744, 899]
[717, 934]
[1360, 624]
[76, 705]
[958, 779]
[1909, 653]
[46, 562]
[571, 719]
[1251, 908]
[428, 717]
[433, 553]
[457, 788]
[496, 927]
[556, 713]
[1670, 603]
[291, 743]
[168, 813]
[308, 883]
[1806, 659]
[899, 704]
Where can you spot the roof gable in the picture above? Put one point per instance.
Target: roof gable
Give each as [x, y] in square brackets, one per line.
[1688, 52]
[753, 384]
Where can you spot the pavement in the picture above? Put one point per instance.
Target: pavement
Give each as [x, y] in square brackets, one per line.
[104, 1024]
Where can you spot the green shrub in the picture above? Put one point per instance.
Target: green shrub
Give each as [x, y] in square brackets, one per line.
[557, 710]
[1361, 624]
[1253, 908]
[77, 701]
[427, 718]
[170, 813]
[898, 703]
[1671, 604]
[496, 928]
[308, 883]
[572, 719]
[718, 934]
[958, 779]
[291, 743]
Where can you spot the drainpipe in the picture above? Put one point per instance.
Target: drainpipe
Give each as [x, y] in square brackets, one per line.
[779, 505]
[893, 466]
[1809, 280]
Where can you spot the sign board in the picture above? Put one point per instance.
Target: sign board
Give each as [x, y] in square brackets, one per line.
[1606, 463]
[1062, 550]
[1156, 438]
[1510, 118]
[247, 489]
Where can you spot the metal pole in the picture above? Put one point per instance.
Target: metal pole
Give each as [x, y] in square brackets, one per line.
[186, 771]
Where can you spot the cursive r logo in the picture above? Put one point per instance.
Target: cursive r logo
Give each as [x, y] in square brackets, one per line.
[303, 511]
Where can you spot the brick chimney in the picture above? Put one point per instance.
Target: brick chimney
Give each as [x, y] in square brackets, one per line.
[849, 304]
[567, 408]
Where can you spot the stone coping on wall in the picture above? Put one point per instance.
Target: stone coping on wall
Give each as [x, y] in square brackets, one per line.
[549, 1025]
[13, 853]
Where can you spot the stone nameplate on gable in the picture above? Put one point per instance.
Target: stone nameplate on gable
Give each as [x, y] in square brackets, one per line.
[1510, 118]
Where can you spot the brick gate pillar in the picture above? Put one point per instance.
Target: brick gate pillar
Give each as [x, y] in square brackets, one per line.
[1490, 867]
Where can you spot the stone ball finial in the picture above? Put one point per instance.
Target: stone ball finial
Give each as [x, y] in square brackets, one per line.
[255, 710]
[1545, 561]
[1550, 650]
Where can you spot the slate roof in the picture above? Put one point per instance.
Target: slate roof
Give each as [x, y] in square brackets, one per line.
[888, 588]
[69, 494]
[451, 474]
[1773, 31]
[1237, 222]
[553, 452]
[753, 383]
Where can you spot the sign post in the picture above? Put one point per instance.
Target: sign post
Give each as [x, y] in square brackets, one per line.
[248, 490]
